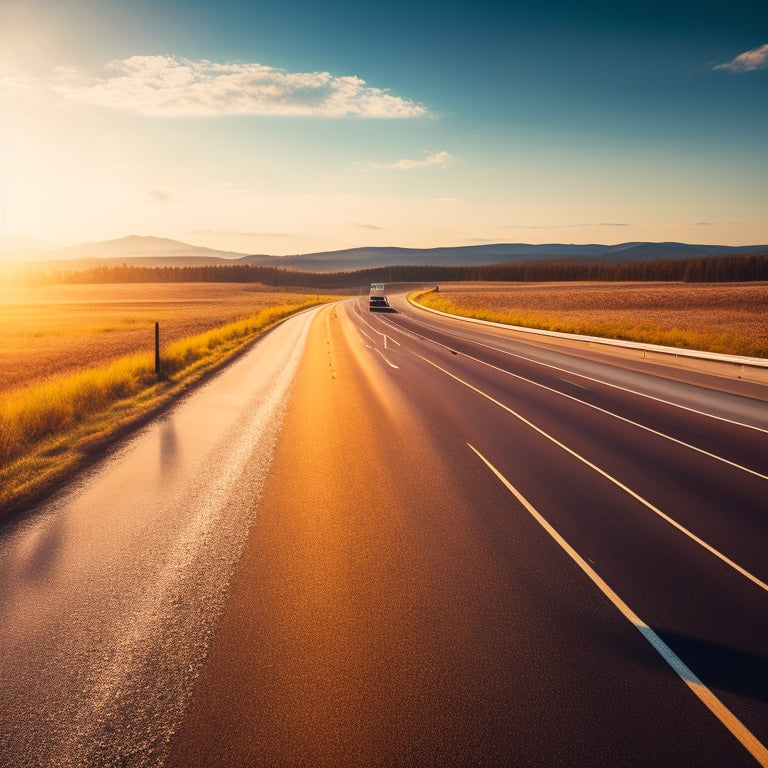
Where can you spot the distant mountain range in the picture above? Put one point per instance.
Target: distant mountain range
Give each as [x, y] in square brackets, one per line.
[129, 249]
[160, 252]
[501, 253]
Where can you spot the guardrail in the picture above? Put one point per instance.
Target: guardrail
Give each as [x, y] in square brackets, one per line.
[753, 369]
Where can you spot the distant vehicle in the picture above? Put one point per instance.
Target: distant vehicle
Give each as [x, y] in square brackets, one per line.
[377, 301]
[378, 304]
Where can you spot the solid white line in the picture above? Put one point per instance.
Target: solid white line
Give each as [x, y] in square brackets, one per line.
[626, 389]
[612, 479]
[705, 695]
[590, 405]
[566, 370]
[608, 384]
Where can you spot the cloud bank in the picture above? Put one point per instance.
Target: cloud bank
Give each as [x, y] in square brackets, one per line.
[746, 62]
[167, 86]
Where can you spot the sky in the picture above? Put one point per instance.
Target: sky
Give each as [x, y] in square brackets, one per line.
[294, 127]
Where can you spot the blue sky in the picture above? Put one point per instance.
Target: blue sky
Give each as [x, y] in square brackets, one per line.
[295, 127]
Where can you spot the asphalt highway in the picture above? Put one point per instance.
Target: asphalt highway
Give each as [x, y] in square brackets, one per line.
[392, 539]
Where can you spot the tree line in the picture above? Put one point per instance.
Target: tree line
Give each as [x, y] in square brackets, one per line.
[742, 268]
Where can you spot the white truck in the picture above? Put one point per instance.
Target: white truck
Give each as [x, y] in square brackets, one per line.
[377, 301]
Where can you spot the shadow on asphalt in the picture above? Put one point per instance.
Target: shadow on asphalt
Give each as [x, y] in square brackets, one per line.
[721, 667]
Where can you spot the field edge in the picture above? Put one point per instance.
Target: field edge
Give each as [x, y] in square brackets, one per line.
[51, 465]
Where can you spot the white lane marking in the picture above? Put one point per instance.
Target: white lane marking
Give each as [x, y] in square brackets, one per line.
[748, 740]
[634, 392]
[607, 383]
[390, 364]
[366, 336]
[612, 479]
[359, 314]
[595, 407]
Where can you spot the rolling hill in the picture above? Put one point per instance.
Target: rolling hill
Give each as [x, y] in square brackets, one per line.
[158, 252]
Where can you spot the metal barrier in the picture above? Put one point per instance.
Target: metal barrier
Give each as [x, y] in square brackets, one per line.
[753, 369]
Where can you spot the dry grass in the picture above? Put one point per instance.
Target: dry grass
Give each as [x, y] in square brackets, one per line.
[51, 424]
[727, 318]
[65, 328]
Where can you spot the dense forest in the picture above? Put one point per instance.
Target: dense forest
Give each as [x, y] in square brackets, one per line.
[745, 268]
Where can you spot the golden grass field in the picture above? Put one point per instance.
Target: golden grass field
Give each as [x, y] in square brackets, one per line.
[67, 327]
[730, 318]
[78, 364]
[78, 360]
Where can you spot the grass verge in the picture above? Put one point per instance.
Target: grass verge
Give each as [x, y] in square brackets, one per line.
[49, 430]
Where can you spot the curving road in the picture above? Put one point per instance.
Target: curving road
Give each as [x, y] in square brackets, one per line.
[397, 539]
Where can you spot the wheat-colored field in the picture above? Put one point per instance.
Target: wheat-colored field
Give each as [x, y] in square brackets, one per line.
[78, 365]
[731, 318]
[64, 328]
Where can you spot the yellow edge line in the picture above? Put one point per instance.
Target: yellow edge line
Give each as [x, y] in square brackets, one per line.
[705, 695]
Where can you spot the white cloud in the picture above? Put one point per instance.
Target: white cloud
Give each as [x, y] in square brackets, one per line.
[439, 158]
[172, 87]
[746, 62]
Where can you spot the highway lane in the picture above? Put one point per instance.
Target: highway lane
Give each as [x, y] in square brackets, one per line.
[726, 398]
[722, 446]
[312, 562]
[403, 601]
[109, 591]
[721, 506]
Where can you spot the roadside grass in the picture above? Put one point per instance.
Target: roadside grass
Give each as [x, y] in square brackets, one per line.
[66, 328]
[729, 319]
[51, 428]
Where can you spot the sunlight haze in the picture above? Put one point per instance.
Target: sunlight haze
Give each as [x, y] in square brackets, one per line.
[300, 127]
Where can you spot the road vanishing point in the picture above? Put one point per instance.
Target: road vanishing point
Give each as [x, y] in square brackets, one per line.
[398, 539]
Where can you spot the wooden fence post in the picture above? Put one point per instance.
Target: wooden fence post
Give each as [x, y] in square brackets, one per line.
[157, 349]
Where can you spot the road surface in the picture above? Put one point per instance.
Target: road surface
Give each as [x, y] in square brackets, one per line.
[391, 539]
